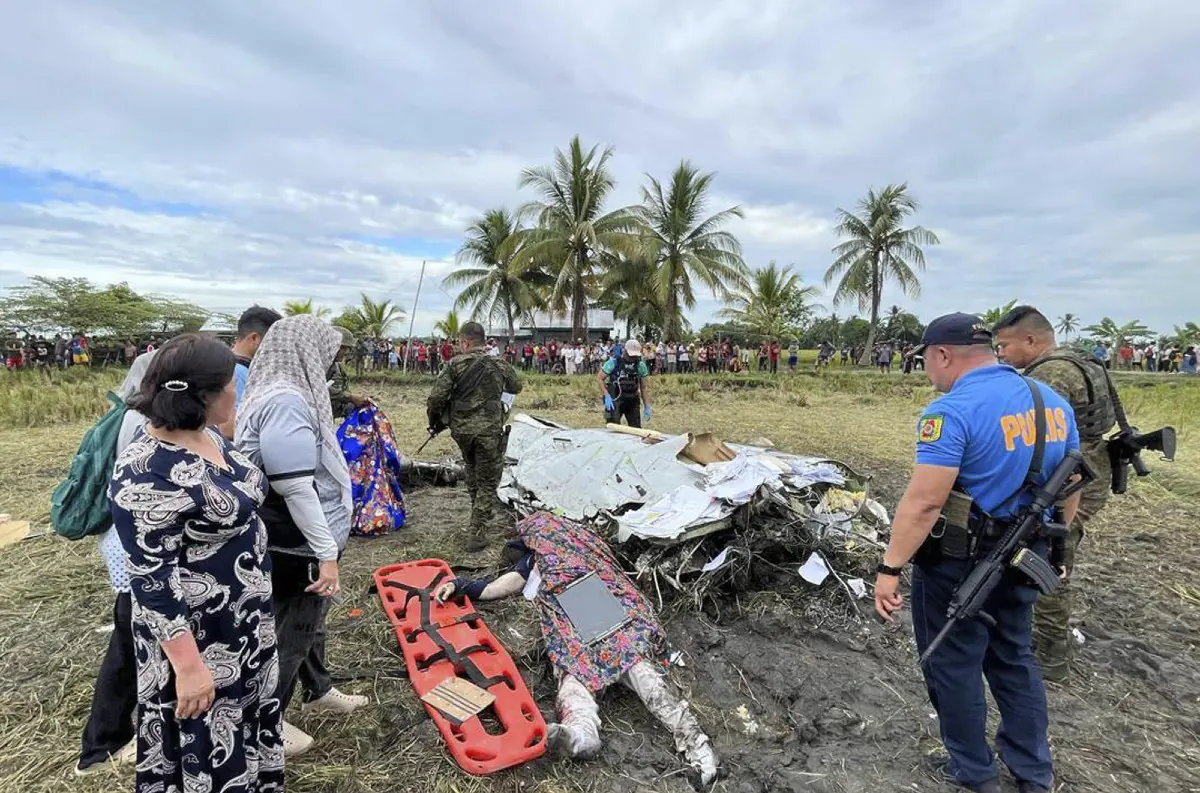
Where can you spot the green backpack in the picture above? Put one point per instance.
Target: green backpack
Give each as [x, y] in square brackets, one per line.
[80, 507]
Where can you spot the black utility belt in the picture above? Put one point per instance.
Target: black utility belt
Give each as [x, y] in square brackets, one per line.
[959, 531]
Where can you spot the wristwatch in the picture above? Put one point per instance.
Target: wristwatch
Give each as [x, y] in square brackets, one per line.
[883, 569]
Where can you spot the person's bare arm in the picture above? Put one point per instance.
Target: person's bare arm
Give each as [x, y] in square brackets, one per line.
[917, 511]
[503, 586]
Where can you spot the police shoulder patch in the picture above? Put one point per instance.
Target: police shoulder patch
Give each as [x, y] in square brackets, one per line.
[930, 428]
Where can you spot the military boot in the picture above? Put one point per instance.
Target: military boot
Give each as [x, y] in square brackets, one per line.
[477, 541]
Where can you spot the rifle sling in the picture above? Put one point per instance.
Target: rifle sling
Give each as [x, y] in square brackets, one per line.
[469, 380]
[1118, 408]
[1034, 474]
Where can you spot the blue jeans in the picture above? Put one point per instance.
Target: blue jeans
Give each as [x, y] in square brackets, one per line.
[972, 651]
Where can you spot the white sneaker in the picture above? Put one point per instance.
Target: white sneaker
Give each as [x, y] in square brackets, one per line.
[335, 702]
[295, 741]
[128, 753]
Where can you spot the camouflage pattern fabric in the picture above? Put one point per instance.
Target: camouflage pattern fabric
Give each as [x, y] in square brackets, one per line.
[476, 412]
[339, 390]
[476, 420]
[483, 463]
[1053, 645]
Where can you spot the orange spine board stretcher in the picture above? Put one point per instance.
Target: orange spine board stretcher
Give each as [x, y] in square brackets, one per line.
[444, 640]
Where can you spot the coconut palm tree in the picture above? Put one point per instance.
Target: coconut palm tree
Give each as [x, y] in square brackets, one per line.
[1067, 324]
[572, 233]
[770, 303]
[629, 290]
[448, 327]
[902, 325]
[878, 249]
[499, 286]
[686, 245]
[293, 307]
[371, 319]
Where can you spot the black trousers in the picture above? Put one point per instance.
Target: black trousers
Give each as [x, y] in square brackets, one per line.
[110, 722]
[629, 408]
[299, 628]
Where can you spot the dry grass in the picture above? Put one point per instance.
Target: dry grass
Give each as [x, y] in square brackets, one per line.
[54, 595]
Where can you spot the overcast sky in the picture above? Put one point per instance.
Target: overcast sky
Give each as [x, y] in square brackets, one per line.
[233, 152]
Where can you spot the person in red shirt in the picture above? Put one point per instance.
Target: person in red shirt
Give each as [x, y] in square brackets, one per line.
[527, 354]
[773, 354]
[543, 359]
[553, 352]
[1126, 353]
[422, 357]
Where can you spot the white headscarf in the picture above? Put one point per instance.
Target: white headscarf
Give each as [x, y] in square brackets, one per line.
[295, 357]
[137, 373]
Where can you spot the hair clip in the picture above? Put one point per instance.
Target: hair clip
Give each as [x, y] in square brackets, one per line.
[175, 385]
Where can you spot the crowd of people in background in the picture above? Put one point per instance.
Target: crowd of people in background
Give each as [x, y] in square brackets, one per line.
[1171, 358]
[566, 357]
[29, 351]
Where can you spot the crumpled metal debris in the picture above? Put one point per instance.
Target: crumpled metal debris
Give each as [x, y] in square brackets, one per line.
[762, 513]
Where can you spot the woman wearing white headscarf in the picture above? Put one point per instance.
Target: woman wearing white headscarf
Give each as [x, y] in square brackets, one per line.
[109, 731]
[285, 425]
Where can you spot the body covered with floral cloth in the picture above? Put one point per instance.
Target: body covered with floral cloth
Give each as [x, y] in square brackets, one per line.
[370, 451]
[558, 552]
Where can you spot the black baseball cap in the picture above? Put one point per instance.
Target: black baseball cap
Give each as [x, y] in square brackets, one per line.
[956, 330]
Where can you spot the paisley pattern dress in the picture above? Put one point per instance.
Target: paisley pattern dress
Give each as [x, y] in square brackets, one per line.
[198, 562]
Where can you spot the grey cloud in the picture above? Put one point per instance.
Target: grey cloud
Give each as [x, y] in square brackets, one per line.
[1053, 147]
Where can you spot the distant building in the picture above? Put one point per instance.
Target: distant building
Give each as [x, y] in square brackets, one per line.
[546, 325]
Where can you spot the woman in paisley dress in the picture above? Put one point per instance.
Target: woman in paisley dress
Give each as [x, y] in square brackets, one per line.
[185, 507]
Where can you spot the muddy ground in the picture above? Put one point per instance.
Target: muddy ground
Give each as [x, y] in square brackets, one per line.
[800, 695]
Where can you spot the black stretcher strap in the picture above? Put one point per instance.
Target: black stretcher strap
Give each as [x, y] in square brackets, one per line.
[459, 658]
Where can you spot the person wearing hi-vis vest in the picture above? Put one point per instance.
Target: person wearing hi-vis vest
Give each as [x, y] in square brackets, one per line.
[624, 381]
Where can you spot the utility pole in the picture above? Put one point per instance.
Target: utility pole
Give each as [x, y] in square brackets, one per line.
[413, 318]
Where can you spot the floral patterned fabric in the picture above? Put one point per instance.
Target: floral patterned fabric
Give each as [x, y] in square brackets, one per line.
[565, 552]
[197, 557]
[370, 449]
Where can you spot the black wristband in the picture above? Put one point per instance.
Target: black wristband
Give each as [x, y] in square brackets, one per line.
[883, 569]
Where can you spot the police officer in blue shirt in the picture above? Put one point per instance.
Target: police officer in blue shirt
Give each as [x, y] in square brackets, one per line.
[975, 451]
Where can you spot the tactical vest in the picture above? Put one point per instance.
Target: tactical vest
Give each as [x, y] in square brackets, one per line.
[1099, 415]
[624, 378]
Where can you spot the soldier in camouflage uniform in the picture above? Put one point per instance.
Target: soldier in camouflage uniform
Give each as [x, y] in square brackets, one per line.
[1025, 339]
[466, 398]
[340, 397]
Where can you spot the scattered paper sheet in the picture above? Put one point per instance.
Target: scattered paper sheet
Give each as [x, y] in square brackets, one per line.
[507, 399]
[716, 563]
[858, 587]
[671, 515]
[814, 570]
[532, 584]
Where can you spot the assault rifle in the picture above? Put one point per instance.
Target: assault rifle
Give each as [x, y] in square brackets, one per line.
[433, 433]
[1124, 451]
[1013, 549]
[1125, 448]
